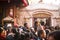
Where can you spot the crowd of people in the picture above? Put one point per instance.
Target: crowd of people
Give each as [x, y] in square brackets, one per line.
[38, 32]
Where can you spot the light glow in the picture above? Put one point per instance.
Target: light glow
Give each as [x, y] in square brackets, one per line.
[55, 2]
[33, 1]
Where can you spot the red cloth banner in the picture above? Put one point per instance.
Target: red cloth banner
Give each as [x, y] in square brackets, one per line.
[25, 2]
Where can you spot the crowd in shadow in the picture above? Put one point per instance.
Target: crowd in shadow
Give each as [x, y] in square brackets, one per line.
[39, 31]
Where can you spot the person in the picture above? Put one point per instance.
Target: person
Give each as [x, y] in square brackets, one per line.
[2, 35]
[42, 25]
[43, 28]
[35, 30]
[57, 27]
[35, 26]
[41, 35]
[20, 29]
[26, 28]
[54, 35]
[10, 35]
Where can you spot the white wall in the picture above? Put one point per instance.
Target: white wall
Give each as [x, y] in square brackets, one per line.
[40, 6]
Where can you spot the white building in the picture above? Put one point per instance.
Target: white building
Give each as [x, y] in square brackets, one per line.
[40, 10]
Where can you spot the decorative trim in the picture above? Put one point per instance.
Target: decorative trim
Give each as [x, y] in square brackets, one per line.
[39, 9]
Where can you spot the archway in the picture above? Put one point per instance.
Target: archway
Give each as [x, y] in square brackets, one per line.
[44, 16]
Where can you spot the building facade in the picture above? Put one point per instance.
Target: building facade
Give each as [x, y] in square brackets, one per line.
[49, 13]
[37, 10]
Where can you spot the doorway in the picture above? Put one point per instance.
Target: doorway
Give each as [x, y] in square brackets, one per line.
[46, 18]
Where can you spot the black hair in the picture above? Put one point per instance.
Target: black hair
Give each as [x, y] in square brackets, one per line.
[27, 36]
[14, 30]
[42, 23]
[25, 24]
[40, 32]
[55, 35]
[24, 36]
[1, 30]
[35, 25]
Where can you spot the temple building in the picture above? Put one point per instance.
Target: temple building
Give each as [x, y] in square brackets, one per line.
[35, 10]
[40, 10]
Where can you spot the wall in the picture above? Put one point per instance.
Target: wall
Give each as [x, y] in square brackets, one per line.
[26, 14]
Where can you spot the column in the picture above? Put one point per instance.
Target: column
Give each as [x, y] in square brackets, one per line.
[31, 22]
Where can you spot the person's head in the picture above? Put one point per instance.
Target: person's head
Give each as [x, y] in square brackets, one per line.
[27, 36]
[25, 24]
[57, 28]
[42, 23]
[14, 30]
[1, 30]
[41, 34]
[36, 23]
[54, 35]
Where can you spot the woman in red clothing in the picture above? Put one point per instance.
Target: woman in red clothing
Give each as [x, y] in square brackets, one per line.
[2, 34]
